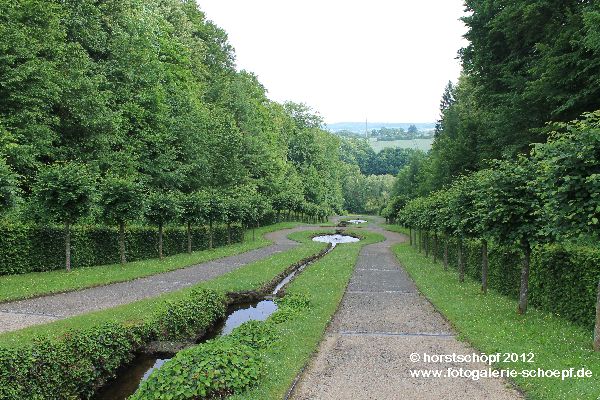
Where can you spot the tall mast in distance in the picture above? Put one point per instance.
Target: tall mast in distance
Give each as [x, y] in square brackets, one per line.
[366, 128]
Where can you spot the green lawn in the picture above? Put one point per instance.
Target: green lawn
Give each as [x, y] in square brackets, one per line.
[16, 287]
[249, 277]
[490, 323]
[324, 284]
[421, 144]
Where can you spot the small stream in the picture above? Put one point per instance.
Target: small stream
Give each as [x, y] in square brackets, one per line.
[139, 369]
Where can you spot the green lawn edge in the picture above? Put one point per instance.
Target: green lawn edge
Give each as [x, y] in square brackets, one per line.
[491, 324]
[324, 284]
[36, 284]
[249, 277]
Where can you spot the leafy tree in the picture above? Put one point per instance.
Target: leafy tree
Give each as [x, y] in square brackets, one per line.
[193, 211]
[65, 192]
[161, 208]
[512, 212]
[121, 202]
[9, 191]
[569, 179]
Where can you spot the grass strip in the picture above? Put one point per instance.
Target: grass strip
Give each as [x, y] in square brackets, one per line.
[248, 277]
[491, 324]
[17, 287]
[323, 284]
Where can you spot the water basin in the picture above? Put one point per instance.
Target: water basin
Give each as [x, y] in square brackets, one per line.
[336, 239]
[356, 221]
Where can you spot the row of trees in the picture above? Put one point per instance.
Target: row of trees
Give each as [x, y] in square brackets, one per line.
[526, 64]
[130, 111]
[551, 196]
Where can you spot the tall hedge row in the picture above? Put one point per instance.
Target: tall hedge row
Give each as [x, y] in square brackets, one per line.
[27, 248]
[563, 279]
[75, 364]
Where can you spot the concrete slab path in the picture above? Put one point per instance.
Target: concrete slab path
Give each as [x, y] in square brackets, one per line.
[381, 322]
[20, 314]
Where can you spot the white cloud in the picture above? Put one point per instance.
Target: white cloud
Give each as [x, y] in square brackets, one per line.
[383, 59]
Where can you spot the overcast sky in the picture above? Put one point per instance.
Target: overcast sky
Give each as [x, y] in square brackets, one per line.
[385, 60]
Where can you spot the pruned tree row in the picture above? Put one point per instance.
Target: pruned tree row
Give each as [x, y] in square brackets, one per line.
[553, 196]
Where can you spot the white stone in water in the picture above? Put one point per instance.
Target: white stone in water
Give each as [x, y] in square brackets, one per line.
[357, 221]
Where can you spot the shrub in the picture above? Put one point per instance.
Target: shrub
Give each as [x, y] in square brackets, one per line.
[564, 278]
[75, 364]
[211, 370]
[26, 248]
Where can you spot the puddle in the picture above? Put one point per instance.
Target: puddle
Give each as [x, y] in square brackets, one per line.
[335, 239]
[356, 221]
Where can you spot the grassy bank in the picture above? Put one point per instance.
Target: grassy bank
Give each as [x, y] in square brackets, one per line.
[323, 284]
[16, 287]
[249, 277]
[490, 323]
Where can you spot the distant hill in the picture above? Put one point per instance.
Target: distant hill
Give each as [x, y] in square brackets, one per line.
[359, 127]
[421, 140]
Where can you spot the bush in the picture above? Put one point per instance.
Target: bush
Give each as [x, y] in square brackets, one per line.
[74, 365]
[214, 369]
[563, 279]
[26, 248]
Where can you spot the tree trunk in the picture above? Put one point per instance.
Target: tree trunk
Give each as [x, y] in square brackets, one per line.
[484, 266]
[597, 328]
[228, 233]
[122, 242]
[68, 246]
[278, 216]
[410, 235]
[253, 233]
[426, 243]
[210, 234]
[160, 241]
[446, 239]
[189, 237]
[435, 247]
[461, 261]
[420, 240]
[524, 278]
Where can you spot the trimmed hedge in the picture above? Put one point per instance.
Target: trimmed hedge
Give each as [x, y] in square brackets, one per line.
[75, 365]
[26, 248]
[563, 278]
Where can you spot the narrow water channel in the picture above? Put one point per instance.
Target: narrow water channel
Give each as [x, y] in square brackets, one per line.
[129, 377]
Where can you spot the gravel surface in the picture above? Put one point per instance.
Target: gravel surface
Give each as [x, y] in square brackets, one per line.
[20, 314]
[382, 320]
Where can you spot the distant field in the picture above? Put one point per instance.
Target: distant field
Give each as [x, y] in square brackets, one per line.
[421, 144]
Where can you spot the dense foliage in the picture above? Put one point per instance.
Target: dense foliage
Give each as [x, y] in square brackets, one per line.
[516, 150]
[143, 98]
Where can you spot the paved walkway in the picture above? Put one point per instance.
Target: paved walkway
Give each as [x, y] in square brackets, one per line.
[381, 321]
[20, 314]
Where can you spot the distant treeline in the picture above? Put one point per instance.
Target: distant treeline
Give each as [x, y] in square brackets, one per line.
[388, 134]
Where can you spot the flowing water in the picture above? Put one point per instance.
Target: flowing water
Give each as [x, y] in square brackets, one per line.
[130, 377]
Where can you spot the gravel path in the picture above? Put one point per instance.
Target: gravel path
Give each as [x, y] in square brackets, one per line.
[20, 314]
[381, 321]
